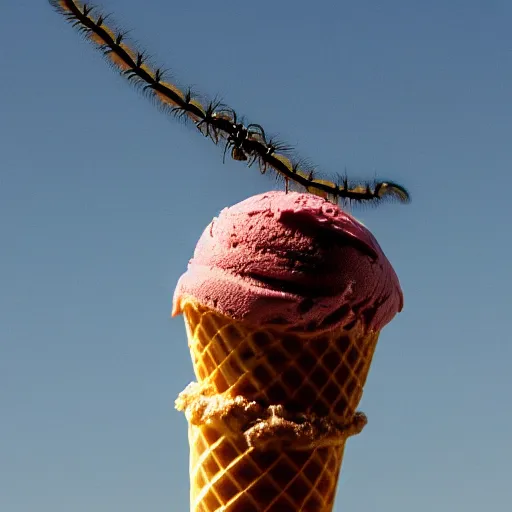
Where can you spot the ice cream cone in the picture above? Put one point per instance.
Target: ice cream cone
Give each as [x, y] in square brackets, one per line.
[283, 304]
[281, 455]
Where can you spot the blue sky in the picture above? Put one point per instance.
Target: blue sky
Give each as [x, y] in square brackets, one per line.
[102, 199]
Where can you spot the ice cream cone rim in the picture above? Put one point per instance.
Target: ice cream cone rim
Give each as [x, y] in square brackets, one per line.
[352, 323]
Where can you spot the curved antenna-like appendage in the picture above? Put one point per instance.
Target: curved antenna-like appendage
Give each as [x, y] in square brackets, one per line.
[214, 119]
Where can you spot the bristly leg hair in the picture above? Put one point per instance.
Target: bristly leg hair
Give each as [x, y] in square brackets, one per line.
[273, 145]
[214, 119]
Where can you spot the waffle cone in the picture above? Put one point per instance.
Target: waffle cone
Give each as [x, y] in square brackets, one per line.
[271, 412]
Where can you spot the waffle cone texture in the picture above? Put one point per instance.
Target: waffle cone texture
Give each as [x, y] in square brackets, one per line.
[270, 412]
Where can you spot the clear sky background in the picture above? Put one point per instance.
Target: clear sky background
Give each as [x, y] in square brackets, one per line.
[102, 199]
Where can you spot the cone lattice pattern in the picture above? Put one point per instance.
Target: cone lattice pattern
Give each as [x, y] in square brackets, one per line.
[227, 475]
[313, 373]
[322, 374]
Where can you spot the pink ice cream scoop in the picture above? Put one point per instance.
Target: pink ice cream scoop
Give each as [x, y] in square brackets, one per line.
[294, 260]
